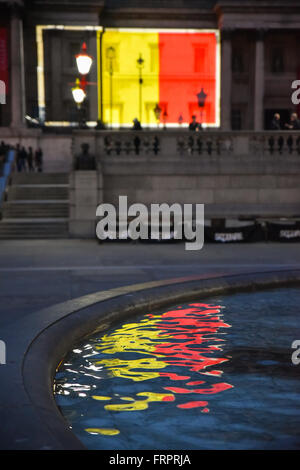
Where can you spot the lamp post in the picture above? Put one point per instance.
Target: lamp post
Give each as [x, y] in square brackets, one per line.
[157, 111]
[180, 119]
[110, 55]
[140, 64]
[84, 63]
[201, 102]
[79, 96]
[165, 117]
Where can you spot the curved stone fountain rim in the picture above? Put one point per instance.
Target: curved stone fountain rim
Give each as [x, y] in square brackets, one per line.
[58, 328]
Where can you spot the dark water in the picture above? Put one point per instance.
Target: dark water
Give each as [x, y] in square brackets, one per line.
[213, 374]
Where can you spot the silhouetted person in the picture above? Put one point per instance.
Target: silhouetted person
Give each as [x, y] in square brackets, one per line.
[275, 123]
[294, 123]
[30, 159]
[3, 148]
[100, 125]
[137, 125]
[39, 160]
[2, 156]
[23, 159]
[194, 125]
[18, 157]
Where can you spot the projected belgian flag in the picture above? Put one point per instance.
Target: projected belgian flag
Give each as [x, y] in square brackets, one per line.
[176, 66]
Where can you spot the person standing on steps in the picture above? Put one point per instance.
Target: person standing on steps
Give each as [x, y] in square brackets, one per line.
[23, 159]
[30, 159]
[39, 160]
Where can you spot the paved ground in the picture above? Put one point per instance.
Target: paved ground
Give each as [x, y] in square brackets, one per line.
[37, 274]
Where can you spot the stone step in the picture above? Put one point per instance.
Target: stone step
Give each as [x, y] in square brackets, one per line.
[32, 220]
[37, 207]
[40, 178]
[38, 192]
[35, 210]
[34, 215]
[19, 230]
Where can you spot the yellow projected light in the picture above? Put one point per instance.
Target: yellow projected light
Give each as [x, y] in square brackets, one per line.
[121, 88]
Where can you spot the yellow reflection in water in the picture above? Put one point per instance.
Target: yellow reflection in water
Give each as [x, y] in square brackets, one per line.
[133, 338]
[105, 432]
[124, 369]
[98, 397]
[141, 404]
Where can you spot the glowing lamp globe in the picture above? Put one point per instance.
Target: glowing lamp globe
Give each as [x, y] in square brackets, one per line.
[84, 61]
[78, 93]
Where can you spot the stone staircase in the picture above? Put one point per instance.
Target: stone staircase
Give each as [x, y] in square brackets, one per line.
[37, 206]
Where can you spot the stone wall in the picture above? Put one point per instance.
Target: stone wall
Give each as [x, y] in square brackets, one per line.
[233, 174]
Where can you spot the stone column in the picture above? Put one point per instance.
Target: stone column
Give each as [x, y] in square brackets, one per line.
[86, 193]
[56, 77]
[259, 81]
[93, 89]
[17, 70]
[226, 80]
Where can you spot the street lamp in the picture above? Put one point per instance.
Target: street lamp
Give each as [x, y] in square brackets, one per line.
[79, 96]
[84, 61]
[201, 102]
[165, 117]
[140, 64]
[78, 93]
[180, 119]
[110, 55]
[157, 111]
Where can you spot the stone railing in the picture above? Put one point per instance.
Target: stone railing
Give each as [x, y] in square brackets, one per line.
[170, 144]
[282, 143]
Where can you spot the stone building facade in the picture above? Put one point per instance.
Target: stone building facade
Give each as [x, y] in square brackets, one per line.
[259, 52]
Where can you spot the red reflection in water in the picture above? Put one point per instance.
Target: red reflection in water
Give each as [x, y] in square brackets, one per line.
[197, 326]
[186, 337]
[193, 404]
[174, 376]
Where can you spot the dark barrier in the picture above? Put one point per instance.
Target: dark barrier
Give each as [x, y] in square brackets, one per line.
[246, 234]
[249, 233]
[283, 232]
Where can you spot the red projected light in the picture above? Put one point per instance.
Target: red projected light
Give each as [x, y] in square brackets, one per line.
[187, 65]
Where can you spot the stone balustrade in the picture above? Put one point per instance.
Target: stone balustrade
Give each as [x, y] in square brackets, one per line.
[180, 143]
